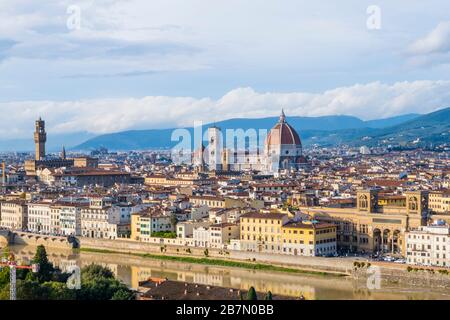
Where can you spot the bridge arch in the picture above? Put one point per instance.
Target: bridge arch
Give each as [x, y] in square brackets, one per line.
[5, 237]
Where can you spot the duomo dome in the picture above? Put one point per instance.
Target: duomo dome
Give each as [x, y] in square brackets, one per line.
[283, 147]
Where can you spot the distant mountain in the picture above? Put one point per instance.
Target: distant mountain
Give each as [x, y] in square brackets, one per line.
[311, 129]
[432, 128]
[392, 121]
[54, 142]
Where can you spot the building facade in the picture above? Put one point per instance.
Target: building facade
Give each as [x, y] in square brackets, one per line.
[40, 217]
[309, 239]
[261, 232]
[429, 246]
[14, 215]
[282, 150]
[369, 227]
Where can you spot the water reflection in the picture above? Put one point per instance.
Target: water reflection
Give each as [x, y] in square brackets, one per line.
[131, 270]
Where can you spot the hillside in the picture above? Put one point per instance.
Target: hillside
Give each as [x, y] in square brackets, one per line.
[327, 130]
[425, 130]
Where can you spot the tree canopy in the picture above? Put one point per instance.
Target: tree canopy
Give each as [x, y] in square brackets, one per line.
[50, 283]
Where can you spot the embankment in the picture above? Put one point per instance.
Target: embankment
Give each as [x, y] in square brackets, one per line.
[318, 265]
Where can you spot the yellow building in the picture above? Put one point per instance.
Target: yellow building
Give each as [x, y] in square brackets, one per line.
[309, 239]
[440, 202]
[135, 227]
[261, 232]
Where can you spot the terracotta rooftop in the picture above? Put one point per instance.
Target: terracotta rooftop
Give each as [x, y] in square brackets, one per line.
[163, 289]
[259, 215]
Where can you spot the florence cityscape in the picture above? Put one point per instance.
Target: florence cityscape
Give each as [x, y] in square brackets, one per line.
[155, 151]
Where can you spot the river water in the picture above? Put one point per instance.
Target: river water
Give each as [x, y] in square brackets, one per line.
[132, 269]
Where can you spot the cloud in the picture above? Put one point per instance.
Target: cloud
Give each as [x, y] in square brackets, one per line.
[434, 48]
[437, 41]
[367, 101]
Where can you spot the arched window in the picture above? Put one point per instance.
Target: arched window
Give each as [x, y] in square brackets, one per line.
[363, 203]
[413, 205]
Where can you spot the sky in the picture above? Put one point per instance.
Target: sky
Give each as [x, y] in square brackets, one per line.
[108, 65]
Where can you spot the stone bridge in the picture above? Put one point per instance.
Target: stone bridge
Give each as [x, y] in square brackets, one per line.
[5, 237]
[25, 238]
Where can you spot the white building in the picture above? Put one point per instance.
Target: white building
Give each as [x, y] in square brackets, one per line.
[101, 220]
[13, 215]
[221, 234]
[429, 246]
[186, 229]
[70, 219]
[40, 218]
[201, 236]
[364, 150]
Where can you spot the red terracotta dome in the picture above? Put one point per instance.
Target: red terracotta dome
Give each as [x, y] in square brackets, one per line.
[283, 133]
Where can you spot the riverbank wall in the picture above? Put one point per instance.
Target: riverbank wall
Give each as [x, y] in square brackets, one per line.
[390, 273]
[317, 264]
[401, 274]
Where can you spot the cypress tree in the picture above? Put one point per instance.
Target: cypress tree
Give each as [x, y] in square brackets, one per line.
[251, 294]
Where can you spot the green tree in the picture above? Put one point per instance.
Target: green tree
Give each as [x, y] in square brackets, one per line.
[58, 291]
[46, 268]
[99, 283]
[31, 289]
[268, 296]
[122, 294]
[4, 277]
[251, 294]
[4, 292]
[95, 271]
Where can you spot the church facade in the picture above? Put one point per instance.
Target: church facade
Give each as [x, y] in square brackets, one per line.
[282, 150]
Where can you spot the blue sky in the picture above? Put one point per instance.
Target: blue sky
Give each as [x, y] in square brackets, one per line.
[159, 63]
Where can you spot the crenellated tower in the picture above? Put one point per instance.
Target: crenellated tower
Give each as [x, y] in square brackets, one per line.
[40, 138]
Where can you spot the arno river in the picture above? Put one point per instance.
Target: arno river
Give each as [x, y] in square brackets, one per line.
[131, 270]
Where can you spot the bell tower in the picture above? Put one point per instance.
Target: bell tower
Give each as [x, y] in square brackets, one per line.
[417, 203]
[215, 147]
[40, 138]
[367, 201]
